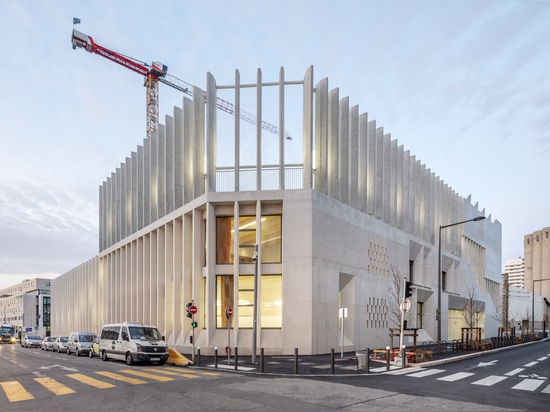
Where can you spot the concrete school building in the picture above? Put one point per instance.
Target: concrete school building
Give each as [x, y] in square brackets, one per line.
[215, 210]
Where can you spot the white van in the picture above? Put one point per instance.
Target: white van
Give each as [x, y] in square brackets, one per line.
[132, 342]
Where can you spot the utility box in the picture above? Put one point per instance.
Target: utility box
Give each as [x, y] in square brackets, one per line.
[361, 361]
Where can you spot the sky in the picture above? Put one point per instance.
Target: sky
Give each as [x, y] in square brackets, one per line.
[462, 84]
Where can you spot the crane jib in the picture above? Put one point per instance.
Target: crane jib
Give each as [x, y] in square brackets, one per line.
[158, 72]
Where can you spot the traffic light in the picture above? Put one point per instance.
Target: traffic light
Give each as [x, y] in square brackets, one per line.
[408, 289]
[187, 309]
[194, 324]
[191, 339]
[405, 325]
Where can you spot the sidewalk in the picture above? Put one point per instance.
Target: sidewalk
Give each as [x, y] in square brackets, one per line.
[315, 365]
[311, 365]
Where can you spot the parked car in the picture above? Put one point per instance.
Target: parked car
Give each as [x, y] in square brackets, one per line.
[94, 350]
[47, 343]
[32, 341]
[60, 344]
[80, 343]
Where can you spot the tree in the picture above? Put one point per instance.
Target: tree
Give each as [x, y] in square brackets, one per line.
[473, 310]
[394, 297]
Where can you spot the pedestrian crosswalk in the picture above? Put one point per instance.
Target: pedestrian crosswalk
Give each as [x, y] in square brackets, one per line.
[15, 391]
[518, 378]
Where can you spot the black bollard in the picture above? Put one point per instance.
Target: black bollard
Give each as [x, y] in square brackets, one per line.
[236, 357]
[262, 360]
[216, 357]
[387, 358]
[332, 361]
[296, 361]
[199, 356]
[367, 362]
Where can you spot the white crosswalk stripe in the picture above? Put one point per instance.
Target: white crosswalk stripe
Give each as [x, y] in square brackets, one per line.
[489, 380]
[456, 376]
[514, 372]
[527, 381]
[528, 384]
[425, 373]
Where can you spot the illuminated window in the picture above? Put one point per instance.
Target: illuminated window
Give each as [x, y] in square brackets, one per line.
[270, 239]
[270, 304]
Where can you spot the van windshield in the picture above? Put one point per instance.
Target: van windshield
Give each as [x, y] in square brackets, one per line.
[144, 333]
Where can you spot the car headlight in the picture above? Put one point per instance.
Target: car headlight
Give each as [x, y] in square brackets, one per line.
[138, 346]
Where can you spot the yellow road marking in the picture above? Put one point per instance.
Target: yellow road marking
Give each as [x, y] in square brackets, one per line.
[91, 381]
[123, 378]
[210, 373]
[53, 386]
[189, 375]
[15, 391]
[167, 372]
[147, 375]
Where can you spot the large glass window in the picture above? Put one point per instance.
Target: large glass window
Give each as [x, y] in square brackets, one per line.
[270, 301]
[270, 239]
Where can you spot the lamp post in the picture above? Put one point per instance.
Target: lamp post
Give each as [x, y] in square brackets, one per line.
[438, 314]
[533, 302]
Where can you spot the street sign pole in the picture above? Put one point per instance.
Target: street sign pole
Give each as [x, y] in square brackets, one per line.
[343, 312]
[228, 314]
[193, 310]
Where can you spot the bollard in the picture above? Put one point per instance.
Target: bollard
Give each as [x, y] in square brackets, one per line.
[332, 361]
[216, 357]
[198, 355]
[387, 358]
[296, 361]
[236, 357]
[262, 360]
[367, 365]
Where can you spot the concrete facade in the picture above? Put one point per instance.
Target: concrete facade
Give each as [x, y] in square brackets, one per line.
[354, 212]
[537, 261]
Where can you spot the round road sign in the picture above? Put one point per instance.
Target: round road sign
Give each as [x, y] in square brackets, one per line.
[192, 309]
[228, 311]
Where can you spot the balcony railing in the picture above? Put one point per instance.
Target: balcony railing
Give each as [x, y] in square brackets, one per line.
[225, 178]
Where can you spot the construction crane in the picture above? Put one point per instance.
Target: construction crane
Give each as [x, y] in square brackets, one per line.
[155, 73]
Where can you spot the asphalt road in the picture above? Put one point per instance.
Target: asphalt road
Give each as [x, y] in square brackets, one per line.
[34, 380]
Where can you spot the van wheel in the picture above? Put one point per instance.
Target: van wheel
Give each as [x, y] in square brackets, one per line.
[129, 360]
[91, 353]
[77, 352]
[68, 351]
[104, 356]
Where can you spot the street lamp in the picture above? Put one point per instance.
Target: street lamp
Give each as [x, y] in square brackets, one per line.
[533, 302]
[438, 314]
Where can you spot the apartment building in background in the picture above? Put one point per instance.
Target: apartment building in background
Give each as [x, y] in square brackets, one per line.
[27, 306]
[514, 268]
